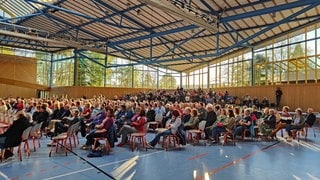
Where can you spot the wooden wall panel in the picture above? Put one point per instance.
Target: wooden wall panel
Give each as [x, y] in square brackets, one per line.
[301, 95]
[18, 76]
[15, 91]
[18, 68]
[294, 95]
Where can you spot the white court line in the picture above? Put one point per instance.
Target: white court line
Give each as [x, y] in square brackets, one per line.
[312, 177]
[3, 175]
[107, 164]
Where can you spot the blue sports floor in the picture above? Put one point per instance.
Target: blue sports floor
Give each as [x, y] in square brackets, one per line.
[247, 160]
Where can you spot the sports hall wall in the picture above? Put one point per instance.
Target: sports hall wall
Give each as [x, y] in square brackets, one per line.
[294, 95]
[18, 76]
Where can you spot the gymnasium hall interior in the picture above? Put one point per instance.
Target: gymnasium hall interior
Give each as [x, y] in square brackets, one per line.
[159, 89]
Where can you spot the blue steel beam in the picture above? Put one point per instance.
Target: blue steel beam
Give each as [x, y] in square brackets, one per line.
[91, 59]
[230, 33]
[44, 10]
[130, 19]
[212, 11]
[149, 63]
[47, 15]
[72, 12]
[279, 35]
[110, 7]
[181, 43]
[165, 44]
[133, 33]
[103, 18]
[78, 14]
[124, 15]
[259, 12]
[251, 4]
[20, 17]
[60, 9]
[211, 55]
[158, 34]
[270, 27]
[233, 31]
[26, 42]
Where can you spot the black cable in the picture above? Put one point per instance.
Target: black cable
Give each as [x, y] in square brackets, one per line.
[267, 147]
[94, 166]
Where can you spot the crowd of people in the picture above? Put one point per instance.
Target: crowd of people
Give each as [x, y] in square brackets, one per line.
[177, 111]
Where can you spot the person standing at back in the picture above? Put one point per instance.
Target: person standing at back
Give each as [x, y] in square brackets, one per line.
[278, 96]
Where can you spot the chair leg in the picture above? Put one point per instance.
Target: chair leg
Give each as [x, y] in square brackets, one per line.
[2, 154]
[107, 146]
[74, 140]
[19, 153]
[34, 144]
[70, 142]
[132, 142]
[65, 146]
[27, 148]
[94, 144]
[39, 140]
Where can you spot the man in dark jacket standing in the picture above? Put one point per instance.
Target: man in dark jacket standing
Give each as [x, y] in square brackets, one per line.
[278, 96]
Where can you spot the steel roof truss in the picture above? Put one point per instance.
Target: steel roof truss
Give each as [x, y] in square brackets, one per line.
[259, 12]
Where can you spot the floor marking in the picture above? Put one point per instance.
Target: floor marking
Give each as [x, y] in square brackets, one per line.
[239, 160]
[103, 165]
[296, 177]
[312, 177]
[198, 156]
[3, 175]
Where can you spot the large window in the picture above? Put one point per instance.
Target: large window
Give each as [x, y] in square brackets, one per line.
[293, 60]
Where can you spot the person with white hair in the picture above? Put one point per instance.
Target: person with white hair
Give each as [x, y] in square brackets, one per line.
[210, 119]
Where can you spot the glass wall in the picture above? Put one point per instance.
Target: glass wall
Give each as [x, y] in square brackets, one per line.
[231, 71]
[290, 59]
[63, 68]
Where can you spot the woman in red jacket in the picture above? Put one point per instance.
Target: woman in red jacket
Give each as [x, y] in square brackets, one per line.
[134, 127]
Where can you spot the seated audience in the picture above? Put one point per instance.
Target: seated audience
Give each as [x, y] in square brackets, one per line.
[296, 124]
[134, 127]
[285, 118]
[100, 130]
[268, 123]
[61, 127]
[244, 123]
[226, 125]
[12, 137]
[171, 128]
[310, 118]
[193, 121]
[186, 115]
[210, 119]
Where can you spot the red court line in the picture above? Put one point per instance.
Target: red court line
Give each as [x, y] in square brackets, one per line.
[198, 156]
[236, 161]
